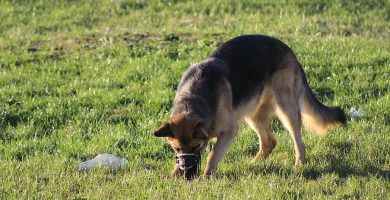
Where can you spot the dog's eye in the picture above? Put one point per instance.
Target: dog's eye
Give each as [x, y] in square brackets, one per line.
[177, 149]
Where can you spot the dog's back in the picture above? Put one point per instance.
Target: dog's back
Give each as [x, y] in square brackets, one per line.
[251, 60]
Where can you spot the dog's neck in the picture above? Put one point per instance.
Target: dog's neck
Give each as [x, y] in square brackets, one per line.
[196, 94]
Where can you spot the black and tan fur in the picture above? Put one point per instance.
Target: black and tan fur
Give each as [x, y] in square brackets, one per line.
[248, 78]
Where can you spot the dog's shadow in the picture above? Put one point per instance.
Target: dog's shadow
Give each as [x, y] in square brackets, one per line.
[335, 165]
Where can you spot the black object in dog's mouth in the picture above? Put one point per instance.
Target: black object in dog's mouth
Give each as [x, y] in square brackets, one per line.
[189, 165]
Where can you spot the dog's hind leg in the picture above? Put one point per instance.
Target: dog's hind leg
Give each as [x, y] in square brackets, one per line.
[290, 118]
[261, 124]
[286, 89]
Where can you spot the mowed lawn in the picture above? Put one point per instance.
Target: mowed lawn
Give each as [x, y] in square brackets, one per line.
[80, 78]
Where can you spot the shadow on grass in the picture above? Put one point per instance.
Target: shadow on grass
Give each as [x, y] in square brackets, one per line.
[344, 170]
[336, 164]
[340, 166]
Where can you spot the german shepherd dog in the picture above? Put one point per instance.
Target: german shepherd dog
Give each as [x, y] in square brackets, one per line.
[249, 78]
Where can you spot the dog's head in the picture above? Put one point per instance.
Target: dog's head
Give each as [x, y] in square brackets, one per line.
[186, 135]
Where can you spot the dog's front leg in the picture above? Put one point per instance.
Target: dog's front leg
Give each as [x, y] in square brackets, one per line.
[218, 152]
[175, 171]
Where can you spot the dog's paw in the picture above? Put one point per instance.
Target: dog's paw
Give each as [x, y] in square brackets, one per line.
[207, 176]
[175, 173]
[256, 159]
[300, 162]
[261, 155]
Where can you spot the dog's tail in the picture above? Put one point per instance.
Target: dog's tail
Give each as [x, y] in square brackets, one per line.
[317, 117]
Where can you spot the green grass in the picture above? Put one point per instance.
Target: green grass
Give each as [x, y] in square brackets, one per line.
[79, 78]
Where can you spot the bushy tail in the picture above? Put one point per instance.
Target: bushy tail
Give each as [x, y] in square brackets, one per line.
[316, 116]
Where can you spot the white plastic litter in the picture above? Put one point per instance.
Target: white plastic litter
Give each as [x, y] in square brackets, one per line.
[103, 160]
[356, 113]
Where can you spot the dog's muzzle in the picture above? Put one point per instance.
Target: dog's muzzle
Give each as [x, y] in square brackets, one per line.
[189, 165]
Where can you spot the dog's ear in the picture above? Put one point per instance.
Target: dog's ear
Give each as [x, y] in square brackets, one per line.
[202, 131]
[164, 130]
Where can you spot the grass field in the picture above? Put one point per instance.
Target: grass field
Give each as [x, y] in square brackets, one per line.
[80, 78]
